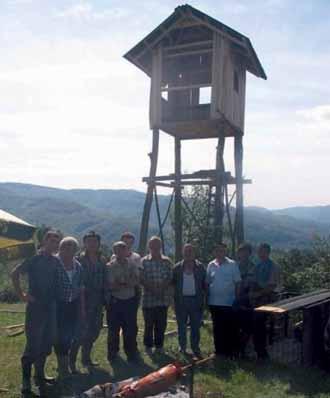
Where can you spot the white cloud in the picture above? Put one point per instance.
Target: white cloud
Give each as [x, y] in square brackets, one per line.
[319, 114]
[85, 11]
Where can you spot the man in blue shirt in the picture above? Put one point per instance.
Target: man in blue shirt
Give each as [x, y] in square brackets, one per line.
[267, 281]
[223, 278]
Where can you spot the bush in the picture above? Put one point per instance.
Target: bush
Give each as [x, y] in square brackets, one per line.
[306, 270]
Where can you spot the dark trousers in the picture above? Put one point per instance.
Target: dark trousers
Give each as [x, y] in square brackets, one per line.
[67, 316]
[189, 309]
[40, 333]
[260, 334]
[88, 330]
[225, 330]
[155, 323]
[137, 301]
[121, 314]
[245, 321]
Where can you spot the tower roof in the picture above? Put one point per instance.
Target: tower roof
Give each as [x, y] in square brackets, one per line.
[185, 16]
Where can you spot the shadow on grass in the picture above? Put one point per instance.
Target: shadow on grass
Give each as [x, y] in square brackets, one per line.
[123, 369]
[79, 383]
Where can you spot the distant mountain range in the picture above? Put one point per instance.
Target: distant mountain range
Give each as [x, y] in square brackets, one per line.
[111, 212]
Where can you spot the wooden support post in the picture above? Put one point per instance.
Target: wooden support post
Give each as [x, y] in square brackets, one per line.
[238, 154]
[177, 202]
[307, 344]
[219, 190]
[149, 195]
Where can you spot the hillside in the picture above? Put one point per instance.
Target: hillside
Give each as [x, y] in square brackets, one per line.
[319, 214]
[110, 212]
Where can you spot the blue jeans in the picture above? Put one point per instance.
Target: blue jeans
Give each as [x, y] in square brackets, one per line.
[190, 309]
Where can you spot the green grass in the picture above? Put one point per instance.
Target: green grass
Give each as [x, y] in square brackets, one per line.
[242, 379]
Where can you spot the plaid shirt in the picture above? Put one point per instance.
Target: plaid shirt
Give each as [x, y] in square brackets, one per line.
[93, 278]
[154, 274]
[69, 290]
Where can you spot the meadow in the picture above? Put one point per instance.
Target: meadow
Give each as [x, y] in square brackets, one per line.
[234, 379]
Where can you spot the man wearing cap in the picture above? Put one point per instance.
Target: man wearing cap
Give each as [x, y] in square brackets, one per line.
[93, 270]
[122, 279]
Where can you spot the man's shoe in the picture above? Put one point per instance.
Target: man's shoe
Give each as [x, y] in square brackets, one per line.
[113, 358]
[47, 379]
[197, 355]
[183, 352]
[40, 376]
[159, 350]
[90, 364]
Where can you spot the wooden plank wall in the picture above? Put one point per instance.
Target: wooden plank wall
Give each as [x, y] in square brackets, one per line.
[217, 75]
[155, 106]
[226, 100]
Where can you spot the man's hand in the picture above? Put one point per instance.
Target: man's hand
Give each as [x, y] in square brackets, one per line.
[28, 298]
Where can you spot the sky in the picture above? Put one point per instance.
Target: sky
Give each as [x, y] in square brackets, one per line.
[74, 112]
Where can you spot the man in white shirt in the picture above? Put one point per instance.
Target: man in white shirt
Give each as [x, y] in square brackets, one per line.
[223, 278]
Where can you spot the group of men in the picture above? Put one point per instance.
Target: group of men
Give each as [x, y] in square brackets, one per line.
[67, 294]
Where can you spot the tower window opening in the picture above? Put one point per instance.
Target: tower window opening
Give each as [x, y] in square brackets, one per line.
[205, 95]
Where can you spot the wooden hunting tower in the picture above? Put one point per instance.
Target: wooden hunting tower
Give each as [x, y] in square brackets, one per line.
[197, 67]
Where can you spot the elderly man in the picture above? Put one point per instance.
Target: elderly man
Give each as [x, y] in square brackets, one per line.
[223, 278]
[41, 271]
[156, 279]
[267, 282]
[122, 279]
[70, 306]
[93, 272]
[189, 295]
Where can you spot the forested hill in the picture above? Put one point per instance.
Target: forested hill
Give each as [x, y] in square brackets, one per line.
[112, 211]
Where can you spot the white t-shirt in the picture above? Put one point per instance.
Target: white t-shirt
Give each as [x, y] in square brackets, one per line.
[188, 286]
[221, 280]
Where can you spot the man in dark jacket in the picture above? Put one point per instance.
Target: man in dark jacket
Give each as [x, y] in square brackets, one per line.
[41, 271]
[189, 296]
